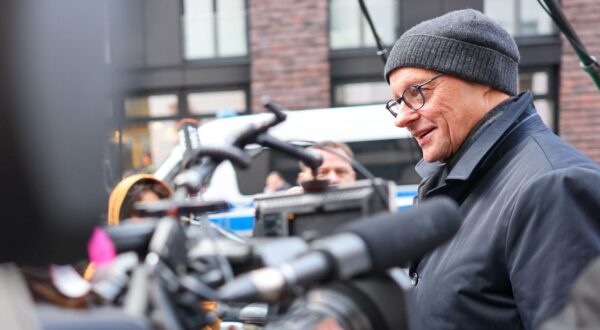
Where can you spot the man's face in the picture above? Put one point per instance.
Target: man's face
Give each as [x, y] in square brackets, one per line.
[274, 182]
[452, 108]
[334, 169]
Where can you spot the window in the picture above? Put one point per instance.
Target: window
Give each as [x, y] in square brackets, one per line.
[521, 18]
[151, 106]
[349, 29]
[538, 82]
[149, 127]
[361, 93]
[146, 145]
[222, 102]
[214, 28]
[146, 142]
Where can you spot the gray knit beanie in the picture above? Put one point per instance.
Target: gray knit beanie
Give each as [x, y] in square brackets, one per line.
[463, 43]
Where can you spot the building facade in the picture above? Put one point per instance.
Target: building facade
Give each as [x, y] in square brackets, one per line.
[208, 58]
[579, 111]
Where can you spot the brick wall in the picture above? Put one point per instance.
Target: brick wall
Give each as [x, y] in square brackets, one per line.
[289, 53]
[579, 97]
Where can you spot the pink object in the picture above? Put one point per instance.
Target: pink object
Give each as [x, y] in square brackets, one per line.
[101, 249]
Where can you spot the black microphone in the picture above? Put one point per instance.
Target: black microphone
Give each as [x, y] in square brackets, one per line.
[131, 236]
[249, 134]
[195, 178]
[311, 160]
[369, 245]
[189, 139]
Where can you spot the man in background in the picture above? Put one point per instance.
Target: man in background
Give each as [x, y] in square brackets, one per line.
[275, 182]
[337, 164]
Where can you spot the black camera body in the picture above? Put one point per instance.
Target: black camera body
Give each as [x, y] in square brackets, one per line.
[316, 214]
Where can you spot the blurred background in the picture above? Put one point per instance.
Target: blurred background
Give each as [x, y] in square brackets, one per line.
[211, 58]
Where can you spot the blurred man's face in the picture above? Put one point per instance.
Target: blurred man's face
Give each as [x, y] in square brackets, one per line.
[452, 108]
[334, 169]
[145, 196]
[274, 183]
[149, 196]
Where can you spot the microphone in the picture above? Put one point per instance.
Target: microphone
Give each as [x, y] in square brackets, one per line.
[311, 160]
[188, 138]
[371, 245]
[249, 134]
[197, 177]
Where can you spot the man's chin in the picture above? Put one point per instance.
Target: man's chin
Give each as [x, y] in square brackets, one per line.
[430, 158]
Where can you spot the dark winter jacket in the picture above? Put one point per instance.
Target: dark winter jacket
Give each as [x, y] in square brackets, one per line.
[582, 311]
[531, 207]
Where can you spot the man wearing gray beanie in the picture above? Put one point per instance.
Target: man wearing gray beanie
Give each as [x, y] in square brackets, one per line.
[530, 201]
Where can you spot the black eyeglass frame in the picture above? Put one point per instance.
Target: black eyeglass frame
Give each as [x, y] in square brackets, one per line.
[393, 102]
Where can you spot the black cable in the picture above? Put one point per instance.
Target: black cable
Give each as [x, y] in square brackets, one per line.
[588, 62]
[562, 26]
[383, 55]
[382, 52]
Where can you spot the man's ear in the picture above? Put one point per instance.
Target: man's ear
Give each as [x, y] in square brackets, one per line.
[492, 97]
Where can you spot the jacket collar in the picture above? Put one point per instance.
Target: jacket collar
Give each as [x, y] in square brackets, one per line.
[477, 150]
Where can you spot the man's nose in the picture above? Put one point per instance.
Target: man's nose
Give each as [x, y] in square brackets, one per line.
[405, 116]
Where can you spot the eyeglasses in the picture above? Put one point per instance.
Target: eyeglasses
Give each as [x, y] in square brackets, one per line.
[412, 96]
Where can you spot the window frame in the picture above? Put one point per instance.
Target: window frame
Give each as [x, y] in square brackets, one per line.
[517, 13]
[551, 94]
[362, 22]
[121, 121]
[215, 59]
[338, 82]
